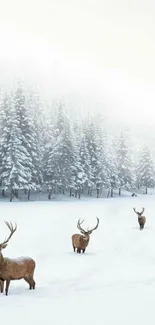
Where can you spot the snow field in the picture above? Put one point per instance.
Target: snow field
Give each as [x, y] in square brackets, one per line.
[112, 283]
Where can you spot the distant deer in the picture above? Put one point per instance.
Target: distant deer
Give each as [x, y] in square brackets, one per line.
[141, 219]
[15, 269]
[80, 242]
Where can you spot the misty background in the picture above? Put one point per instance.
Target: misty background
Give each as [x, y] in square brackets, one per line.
[82, 67]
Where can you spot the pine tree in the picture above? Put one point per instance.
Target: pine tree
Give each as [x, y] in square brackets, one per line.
[145, 173]
[36, 125]
[94, 146]
[15, 166]
[20, 144]
[49, 142]
[61, 165]
[112, 168]
[124, 163]
[18, 149]
[60, 119]
[25, 135]
[103, 149]
[6, 125]
[85, 162]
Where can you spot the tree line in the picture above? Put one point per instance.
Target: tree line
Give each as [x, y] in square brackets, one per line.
[59, 152]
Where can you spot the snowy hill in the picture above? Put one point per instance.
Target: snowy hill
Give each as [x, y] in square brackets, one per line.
[112, 283]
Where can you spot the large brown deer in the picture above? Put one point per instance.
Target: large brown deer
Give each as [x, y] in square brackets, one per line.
[141, 219]
[80, 242]
[15, 269]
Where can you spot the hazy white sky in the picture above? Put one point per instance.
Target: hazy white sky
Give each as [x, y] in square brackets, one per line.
[105, 49]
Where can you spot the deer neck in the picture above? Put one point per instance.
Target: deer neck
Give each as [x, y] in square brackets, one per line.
[86, 237]
[1, 259]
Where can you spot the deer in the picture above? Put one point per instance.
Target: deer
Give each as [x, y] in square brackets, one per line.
[141, 219]
[15, 269]
[81, 241]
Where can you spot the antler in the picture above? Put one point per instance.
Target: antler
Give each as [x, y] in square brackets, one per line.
[12, 230]
[96, 225]
[88, 231]
[139, 212]
[79, 226]
[142, 211]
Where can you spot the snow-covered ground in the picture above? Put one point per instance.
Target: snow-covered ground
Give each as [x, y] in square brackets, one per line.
[112, 283]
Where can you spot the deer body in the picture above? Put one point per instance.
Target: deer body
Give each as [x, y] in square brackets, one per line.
[141, 219]
[15, 269]
[81, 241]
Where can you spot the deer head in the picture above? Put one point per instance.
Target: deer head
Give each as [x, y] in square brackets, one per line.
[12, 230]
[139, 213]
[88, 232]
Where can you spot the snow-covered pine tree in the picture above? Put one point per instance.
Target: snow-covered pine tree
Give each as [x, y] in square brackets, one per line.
[85, 163]
[60, 119]
[112, 170]
[61, 165]
[6, 124]
[103, 149]
[124, 163]
[78, 140]
[80, 177]
[36, 126]
[15, 164]
[21, 174]
[49, 142]
[55, 127]
[145, 173]
[94, 146]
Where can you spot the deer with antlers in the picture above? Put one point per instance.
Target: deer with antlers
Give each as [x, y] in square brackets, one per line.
[81, 241]
[15, 269]
[141, 219]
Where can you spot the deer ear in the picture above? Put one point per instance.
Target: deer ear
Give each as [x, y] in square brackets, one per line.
[3, 246]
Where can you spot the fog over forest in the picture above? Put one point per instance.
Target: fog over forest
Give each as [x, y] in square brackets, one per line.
[77, 81]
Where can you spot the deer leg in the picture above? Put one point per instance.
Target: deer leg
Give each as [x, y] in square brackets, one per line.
[2, 285]
[32, 281]
[84, 250]
[28, 281]
[7, 286]
[74, 248]
[33, 284]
